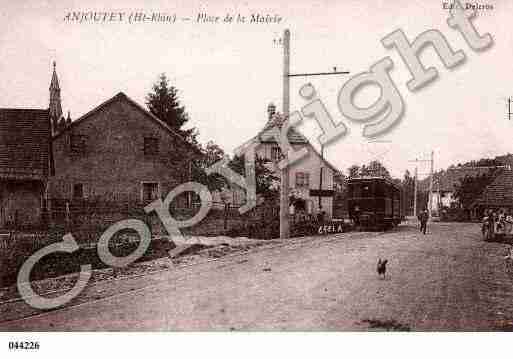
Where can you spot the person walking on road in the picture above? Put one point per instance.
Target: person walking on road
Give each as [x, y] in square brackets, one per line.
[423, 218]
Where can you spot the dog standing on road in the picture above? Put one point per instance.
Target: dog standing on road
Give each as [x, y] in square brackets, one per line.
[382, 267]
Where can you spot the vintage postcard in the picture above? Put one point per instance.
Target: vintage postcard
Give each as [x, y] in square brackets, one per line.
[237, 166]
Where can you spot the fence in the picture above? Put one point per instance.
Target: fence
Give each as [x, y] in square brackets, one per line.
[29, 240]
[87, 219]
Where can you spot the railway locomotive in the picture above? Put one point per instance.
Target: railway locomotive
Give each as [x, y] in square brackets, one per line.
[374, 203]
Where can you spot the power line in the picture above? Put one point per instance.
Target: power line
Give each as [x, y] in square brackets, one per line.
[284, 191]
[320, 74]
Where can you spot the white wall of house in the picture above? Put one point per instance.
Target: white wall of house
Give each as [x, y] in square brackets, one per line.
[445, 199]
[310, 166]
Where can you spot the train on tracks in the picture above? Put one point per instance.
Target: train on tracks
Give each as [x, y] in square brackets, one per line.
[375, 203]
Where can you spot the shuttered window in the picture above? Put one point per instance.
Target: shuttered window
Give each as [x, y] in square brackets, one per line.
[302, 179]
[151, 146]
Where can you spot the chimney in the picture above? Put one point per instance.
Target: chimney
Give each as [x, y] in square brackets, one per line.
[271, 110]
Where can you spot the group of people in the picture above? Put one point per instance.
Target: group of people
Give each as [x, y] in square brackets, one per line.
[500, 220]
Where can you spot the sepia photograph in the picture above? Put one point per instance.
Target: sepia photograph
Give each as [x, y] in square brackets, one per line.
[268, 167]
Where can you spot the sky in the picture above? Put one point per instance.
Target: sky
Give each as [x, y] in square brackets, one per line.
[227, 74]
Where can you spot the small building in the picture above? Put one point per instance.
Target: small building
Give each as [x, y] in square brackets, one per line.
[25, 166]
[497, 195]
[445, 183]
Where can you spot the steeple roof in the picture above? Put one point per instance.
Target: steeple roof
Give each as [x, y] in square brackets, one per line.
[55, 100]
[54, 84]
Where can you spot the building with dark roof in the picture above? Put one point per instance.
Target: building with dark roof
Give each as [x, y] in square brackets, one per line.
[25, 166]
[497, 195]
[445, 182]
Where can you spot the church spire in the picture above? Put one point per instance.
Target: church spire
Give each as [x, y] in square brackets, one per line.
[55, 101]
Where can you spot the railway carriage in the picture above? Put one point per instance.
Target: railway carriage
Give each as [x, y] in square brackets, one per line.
[375, 202]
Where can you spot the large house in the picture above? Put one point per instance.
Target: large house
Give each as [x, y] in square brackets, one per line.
[25, 166]
[310, 176]
[116, 152]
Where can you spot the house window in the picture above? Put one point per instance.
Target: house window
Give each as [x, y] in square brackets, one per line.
[275, 153]
[151, 146]
[302, 179]
[78, 190]
[150, 191]
[78, 144]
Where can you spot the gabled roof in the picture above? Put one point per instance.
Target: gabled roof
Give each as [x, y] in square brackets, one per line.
[24, 143]
[294, 137]
[446, 180]
[326, 162]
[499, 193]
[122, 97]
[277, 120]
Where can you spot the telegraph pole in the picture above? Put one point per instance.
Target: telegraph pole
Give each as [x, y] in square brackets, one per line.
[415, 194]
[430, 199]
[284, 193]
[509, 108]
[320, 177]
[430, 183]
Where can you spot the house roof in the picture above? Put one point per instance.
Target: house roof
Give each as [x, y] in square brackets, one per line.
[294, 137]
[277, 120]
[499, 193]
[24, 143]
[446, 180]
[122, 97]
[333, 168]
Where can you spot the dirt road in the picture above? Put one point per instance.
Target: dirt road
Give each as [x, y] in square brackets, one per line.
[448, 279]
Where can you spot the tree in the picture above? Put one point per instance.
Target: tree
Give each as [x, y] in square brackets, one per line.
[470, 187]
[264, 176]
[408, 186]
[163, 102]
[211, 154]
[353, 171]
[375, 169]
